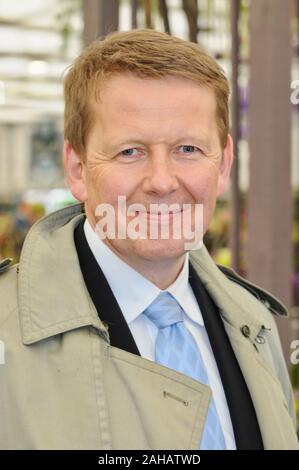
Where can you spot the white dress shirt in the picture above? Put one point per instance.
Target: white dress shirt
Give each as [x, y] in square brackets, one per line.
[134, 293]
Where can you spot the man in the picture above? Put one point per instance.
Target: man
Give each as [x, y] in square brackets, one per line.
[91, 357]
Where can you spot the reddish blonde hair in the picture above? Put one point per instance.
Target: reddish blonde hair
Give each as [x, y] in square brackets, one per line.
[147, 54]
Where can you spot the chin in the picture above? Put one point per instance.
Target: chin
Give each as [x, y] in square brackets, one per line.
[159, 249]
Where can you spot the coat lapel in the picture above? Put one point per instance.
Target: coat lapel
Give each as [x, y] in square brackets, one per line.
[102, 296]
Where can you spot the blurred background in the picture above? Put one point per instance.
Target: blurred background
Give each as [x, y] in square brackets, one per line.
[256, 226]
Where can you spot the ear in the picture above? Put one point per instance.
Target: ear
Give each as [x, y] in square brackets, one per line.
[75, 172]
[225, 166]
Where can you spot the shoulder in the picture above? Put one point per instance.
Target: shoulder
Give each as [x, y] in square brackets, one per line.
[268, 300]
[268, 341]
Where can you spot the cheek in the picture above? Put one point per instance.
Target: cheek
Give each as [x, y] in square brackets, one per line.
[106, 183]
[204, 186]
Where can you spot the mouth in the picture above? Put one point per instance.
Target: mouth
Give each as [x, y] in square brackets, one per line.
[160, 216]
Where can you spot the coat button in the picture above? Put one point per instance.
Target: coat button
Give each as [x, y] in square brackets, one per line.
[245, 331]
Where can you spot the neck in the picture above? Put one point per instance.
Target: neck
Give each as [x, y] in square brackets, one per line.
[162, 273]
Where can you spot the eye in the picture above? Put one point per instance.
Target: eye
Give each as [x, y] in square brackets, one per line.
[189, 149]
[129, 153]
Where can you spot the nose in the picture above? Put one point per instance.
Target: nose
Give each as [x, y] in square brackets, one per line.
[160, 178]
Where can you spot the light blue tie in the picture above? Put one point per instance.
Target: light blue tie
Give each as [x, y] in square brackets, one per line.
[177, 349]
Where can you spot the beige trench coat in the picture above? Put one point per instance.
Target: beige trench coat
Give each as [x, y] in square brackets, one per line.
[62, 386]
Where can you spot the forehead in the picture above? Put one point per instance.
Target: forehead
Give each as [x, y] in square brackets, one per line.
[156, 105]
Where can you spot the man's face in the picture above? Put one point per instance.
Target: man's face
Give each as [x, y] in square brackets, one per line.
[154, 141]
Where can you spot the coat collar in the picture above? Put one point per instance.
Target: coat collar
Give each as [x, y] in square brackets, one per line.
[51, 291]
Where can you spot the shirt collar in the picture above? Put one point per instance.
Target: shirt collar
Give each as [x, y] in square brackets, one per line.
[183, 293]
[133, 292]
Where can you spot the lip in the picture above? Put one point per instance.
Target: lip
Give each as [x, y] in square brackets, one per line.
[158, 216]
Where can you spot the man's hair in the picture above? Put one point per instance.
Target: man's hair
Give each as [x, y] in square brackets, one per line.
[147, 54]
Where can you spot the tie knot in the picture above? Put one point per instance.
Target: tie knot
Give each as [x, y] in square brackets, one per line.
[164, 311]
